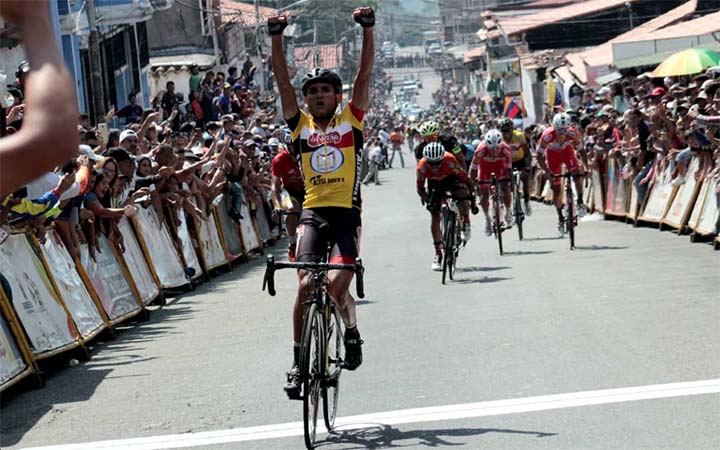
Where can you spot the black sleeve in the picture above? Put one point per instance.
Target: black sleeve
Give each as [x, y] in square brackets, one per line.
[293, 122]
[419, 150]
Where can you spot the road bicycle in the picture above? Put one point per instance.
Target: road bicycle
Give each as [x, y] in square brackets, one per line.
[498, 224]
[571, 219]
[451, 241]
[517, 208]
[321, 345]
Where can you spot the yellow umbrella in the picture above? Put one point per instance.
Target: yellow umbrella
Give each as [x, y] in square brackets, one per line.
[687, 62]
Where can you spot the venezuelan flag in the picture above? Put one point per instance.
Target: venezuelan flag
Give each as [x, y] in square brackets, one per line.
[511, 110]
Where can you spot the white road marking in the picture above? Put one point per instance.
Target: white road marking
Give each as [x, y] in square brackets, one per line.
[416, 415]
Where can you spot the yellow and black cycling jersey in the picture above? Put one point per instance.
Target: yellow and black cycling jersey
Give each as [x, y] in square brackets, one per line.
[518, 144]
[329, 159]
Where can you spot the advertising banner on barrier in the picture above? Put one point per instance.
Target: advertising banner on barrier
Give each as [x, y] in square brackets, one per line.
[228, 228]
[44, 319]
[598, 191]
[210, 240]
[708, 215]
[263, 224]
[633, 207]
[72, 289]
[249, 235]
[11, 362]
[616, 195]
[659, 197]
[159, 249]
[685, 196]
[189, 254]
[135, 260]
[587, 192]
[109, 280]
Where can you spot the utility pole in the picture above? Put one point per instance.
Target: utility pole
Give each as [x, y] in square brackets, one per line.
[259, 39]
[316, 53]
[213, 31]
[96, 83]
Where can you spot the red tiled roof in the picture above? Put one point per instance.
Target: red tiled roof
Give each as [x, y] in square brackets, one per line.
[521, 24]
[602, 54]
[473, 54]
[330, 56]
[709, 23]
[234, 11]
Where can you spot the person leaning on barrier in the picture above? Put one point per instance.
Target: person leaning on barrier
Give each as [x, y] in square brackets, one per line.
[50, 112]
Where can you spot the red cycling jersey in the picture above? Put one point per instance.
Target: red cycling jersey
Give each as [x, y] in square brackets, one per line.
[488, 161]
[559, 153]
[285, 167]
[448, 167]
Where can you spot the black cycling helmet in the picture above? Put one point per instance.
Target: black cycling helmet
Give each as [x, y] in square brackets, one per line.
[506, 123]
[321, 75]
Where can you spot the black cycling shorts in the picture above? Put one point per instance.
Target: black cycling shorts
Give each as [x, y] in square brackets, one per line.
[340, 227]
[296, 195]
[438, 188]
[520, 165]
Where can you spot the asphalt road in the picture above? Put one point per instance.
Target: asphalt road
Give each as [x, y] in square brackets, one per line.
[629, 309]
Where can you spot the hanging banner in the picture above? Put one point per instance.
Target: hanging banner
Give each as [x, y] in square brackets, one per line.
[109, 281]
[139, 268]
[709, 214]
[210, 241]
[659, 197]
[72, 289]
[42, 316]
[598, 192]
[228, 228]
[249, 235]
[684, 200]
[159, 249]
[11, 361]
[616, 194]
[633, 206]
[189, 254]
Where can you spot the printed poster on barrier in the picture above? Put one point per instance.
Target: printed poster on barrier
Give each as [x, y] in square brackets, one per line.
[11, 362]
[161, 251]
[47, 325]
[72, 289]
[135, 259]
[228, 228]
[709, 215]
[699, 204]
[109, 280]
[684, 199]
[633, 208]
[598, 199]
[212, 247]
[191, 259]
[660, 196]
[248, 229]
[263, 224]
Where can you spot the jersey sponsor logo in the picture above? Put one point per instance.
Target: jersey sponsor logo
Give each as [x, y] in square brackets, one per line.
[318, 180]
[318, 139]
[327, 160]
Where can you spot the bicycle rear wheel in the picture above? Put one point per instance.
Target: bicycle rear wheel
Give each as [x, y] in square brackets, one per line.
[519, 214]
[498, 224]
[448, 243]
[311, 371]
[335, 354]
[570, 218]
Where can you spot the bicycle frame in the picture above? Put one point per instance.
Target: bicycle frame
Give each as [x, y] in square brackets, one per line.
[517, 204]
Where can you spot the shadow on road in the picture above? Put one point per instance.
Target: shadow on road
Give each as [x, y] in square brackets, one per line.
[480, 269]
[386, 436]
[480, 280]
[534, 252]
[599, 247]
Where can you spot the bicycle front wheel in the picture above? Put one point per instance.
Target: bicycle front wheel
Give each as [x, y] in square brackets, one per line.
[448, 244]
[311, 371]
[498, 224]
[519, 214]
[335, 354]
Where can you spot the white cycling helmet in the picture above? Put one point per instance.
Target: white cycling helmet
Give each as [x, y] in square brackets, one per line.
[561, 121]
[434, 152]
[493, 138]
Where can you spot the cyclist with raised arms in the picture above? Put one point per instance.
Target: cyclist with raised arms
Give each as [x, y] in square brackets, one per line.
[327, 143]
[557, 147]
[443, 173]
[521, 157]
[430, 132]
[492, 156]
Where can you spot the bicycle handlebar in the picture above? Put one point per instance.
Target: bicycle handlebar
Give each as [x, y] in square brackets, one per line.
[272, 266]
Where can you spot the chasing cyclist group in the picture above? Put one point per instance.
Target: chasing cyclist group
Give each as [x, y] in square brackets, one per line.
[445, 166]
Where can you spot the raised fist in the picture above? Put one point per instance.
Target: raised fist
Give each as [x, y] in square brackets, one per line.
[276, 25]
[365, 16]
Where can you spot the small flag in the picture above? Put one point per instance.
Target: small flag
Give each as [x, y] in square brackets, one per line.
[511, 110]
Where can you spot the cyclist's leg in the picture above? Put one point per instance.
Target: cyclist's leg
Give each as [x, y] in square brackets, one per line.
[346, 229]
[573, 166]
